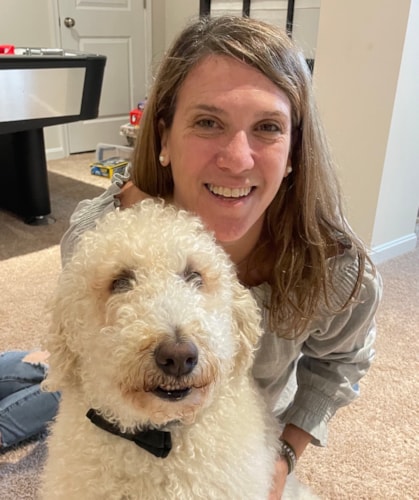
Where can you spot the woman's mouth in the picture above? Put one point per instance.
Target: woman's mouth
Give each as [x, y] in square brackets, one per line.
[227, 192]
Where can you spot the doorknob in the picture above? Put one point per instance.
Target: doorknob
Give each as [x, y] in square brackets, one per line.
[69, 22]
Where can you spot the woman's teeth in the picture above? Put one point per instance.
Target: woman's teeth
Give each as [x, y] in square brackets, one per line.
[228, 192]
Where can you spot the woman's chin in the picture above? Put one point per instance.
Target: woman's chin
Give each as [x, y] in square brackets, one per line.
[230, 235]
[239, 243]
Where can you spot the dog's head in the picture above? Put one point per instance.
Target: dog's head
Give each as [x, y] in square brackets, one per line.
[149, 318]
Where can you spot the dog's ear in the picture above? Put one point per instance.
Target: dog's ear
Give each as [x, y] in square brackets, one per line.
[247, 323]
[63, 369]
[60, 342]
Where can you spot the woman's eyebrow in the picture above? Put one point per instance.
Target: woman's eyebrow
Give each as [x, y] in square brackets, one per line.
[209, 108]
[277, 113]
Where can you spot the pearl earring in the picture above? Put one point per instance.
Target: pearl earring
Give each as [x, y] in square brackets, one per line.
[161, 159]
[289, 169]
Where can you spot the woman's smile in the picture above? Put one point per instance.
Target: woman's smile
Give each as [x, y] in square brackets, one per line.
[226, 192]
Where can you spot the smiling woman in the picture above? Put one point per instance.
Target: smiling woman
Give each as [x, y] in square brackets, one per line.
[228, 147]
[231, 133]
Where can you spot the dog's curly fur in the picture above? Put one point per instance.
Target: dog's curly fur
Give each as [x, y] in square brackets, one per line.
[146, 277]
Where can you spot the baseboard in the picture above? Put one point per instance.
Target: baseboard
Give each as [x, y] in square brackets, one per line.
[55, 153]
[394, 248]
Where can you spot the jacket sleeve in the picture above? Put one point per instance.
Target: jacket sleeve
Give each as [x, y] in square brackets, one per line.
[336, 355]
[88, 212]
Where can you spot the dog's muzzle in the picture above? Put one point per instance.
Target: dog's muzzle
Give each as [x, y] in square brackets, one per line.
[175, 359]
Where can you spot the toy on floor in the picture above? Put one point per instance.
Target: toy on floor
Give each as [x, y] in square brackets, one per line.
[110, 159]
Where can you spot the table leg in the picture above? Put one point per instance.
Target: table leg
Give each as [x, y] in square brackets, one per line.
[24, 184]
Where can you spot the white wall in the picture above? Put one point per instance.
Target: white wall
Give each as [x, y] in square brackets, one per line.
[394, 225]
[26, 23]
[177, 14]
[367, 99]
[33, 24]
[158, 31]
[169, 17]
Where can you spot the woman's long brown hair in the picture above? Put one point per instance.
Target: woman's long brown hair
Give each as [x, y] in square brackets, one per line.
[304, 225]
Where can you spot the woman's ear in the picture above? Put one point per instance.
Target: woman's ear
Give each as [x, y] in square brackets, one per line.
[164, 153]
[288, 169]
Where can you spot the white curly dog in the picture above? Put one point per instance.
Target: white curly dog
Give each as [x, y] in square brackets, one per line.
[151, 344]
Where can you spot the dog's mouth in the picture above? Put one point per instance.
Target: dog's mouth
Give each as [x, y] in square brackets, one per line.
[172, 394]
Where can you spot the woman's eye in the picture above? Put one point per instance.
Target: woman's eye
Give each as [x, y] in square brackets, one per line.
[193, 277]
[207, 123]
[269, 127]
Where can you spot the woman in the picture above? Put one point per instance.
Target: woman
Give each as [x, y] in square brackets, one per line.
[231, 132]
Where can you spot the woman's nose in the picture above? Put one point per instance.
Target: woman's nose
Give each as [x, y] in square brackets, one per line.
[236, 155]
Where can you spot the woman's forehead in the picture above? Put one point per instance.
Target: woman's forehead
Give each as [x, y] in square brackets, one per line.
[218, 78]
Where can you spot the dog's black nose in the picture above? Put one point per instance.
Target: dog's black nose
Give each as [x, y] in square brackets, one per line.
[176, 358]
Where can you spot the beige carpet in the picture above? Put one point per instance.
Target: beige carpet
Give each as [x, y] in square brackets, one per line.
[373, 450]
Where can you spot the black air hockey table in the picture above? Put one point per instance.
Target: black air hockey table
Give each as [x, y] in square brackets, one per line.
[28, 103]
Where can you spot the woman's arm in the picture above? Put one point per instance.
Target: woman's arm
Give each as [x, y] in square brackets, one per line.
[88, 212]
[336, 355]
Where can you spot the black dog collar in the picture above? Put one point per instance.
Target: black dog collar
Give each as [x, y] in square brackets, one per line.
[158, 443]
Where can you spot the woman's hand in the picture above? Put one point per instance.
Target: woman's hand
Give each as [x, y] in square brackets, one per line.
[298, 440]
[130, 195]
[280, 476]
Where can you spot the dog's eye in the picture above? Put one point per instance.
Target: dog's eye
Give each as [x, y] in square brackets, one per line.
[124, 282]
[193, 277]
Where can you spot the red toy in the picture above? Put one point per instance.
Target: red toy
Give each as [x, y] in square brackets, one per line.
[136, 113]
[135, 116]
[7, 49]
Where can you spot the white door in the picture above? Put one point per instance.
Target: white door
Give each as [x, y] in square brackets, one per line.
[116, 29]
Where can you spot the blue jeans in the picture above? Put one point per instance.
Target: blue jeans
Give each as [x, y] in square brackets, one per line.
[25, 410]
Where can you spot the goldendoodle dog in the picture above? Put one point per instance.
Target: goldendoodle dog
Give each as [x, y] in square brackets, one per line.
[151, 344]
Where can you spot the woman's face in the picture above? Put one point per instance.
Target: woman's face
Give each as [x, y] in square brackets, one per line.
[228, 147]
